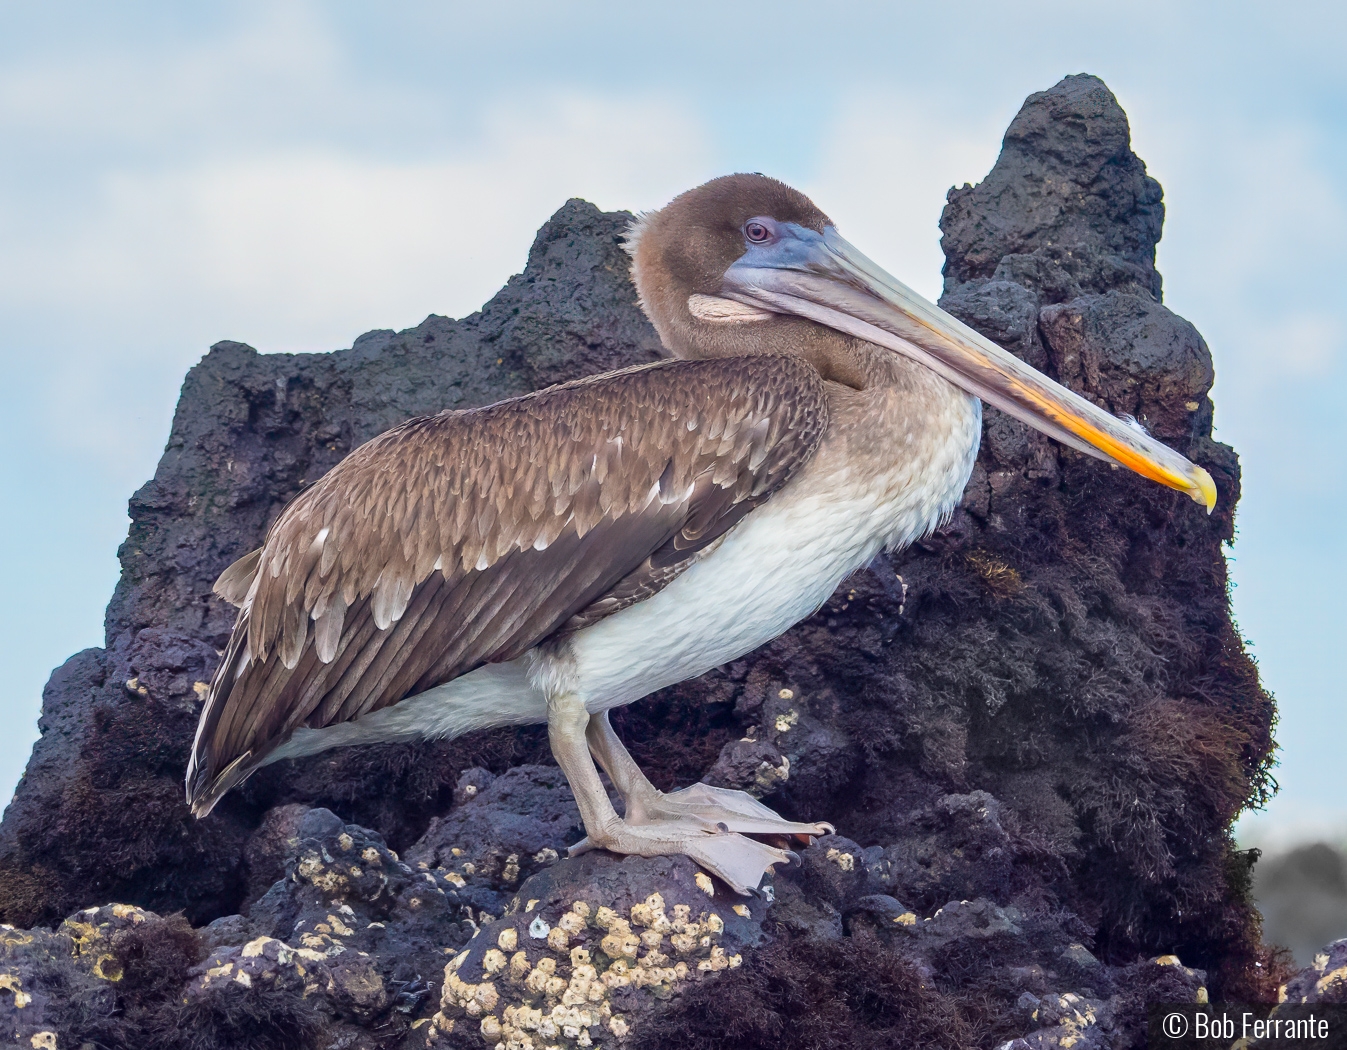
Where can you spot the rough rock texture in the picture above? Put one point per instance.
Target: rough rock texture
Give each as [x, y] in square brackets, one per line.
[250, 432]
[1032, 730]
[1324, 980]
[1067, 209]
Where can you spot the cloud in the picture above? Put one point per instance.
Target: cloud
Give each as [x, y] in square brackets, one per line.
[320, 242]
[144, 92]
[303, 250]
[884, 170]
[1260, 212]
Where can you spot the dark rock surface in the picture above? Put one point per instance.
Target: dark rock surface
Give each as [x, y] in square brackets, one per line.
[251, 431]
[1324, 980]
[1032, 730]
[1068, 207]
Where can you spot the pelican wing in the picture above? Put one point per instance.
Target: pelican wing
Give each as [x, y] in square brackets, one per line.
[469, 537]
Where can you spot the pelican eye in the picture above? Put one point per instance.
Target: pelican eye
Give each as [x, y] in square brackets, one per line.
[757, 232]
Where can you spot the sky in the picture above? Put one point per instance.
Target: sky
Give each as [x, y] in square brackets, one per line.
[292, 174]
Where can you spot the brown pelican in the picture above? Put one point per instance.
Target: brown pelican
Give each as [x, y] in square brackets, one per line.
[553, 556]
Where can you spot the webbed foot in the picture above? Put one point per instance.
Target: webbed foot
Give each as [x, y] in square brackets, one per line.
[731, 810]
[739, 861]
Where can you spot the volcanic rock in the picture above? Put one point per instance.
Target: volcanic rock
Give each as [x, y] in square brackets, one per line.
[1032, 730]
[1324, 980]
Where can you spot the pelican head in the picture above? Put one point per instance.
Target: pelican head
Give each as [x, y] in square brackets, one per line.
[746, 265]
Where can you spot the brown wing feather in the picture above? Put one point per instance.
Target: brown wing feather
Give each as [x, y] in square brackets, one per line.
[234, 582]
[469, 537]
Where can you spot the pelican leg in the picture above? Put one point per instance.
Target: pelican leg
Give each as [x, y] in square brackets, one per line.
[739, 861]
[730, 810]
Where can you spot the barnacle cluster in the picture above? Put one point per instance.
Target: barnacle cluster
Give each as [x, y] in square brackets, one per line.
[548, 986]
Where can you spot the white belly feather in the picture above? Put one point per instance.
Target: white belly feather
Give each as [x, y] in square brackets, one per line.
[771, 571]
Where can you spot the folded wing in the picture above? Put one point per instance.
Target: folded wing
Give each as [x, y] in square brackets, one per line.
[469, 537]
